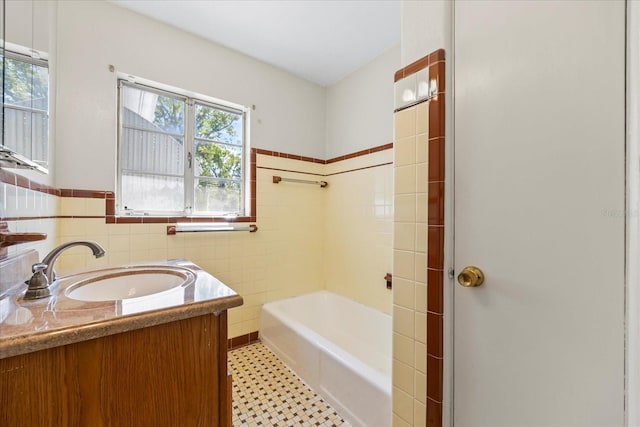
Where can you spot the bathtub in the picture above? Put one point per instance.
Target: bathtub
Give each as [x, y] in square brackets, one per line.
[340, 348]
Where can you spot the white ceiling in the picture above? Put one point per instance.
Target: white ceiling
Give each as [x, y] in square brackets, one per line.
[319, 40]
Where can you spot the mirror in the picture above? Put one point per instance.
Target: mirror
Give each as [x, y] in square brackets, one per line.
[1, 69]
[25, 85]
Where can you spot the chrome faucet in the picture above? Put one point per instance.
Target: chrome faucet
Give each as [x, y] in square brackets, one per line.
[44, 279]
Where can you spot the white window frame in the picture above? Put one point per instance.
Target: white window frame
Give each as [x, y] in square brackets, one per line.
[189, 146]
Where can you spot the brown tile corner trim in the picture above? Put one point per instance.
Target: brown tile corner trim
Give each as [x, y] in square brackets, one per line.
[242, 340]
[435, 235]
[420, 64]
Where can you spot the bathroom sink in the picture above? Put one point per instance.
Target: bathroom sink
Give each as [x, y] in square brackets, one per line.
[127, 282]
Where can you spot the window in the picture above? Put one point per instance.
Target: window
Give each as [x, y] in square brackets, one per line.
[180, 155]
[25, 106]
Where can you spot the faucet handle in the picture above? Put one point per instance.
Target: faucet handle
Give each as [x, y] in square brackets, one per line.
[39, 267]
[39, 282]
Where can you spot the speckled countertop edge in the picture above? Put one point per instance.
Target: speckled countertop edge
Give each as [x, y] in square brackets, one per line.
[23, 344]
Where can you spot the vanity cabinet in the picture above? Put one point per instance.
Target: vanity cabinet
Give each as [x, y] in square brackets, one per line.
[171, 374]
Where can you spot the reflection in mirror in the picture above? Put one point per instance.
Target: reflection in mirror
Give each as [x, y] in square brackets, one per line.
[25, 86]
[25, 124]
[2, 71]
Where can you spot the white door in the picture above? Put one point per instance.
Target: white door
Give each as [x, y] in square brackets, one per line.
[539, 207]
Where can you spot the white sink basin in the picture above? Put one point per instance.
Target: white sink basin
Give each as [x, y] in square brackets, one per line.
[128, 283]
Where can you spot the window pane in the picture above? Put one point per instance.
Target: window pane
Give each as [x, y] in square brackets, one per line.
[26, 85]
[17, 127]
[218, 161]
[151, 111]
[152, 193]
[40, 137]
[217, 196]
[151, 152]
[218, 125]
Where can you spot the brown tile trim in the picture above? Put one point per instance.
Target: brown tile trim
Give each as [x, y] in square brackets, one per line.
[437, 55]
[435, 247]
[420, 64]
[11, 178]
[435, 235]
[4, 228]
[253, 183]
[436, 160]
[28, 218]
[7, 177]
[434, 378]
[242, 340]
[435, 286]
[435, 200]
[325, 162]
[86, 194]
[289, 170]
[436, 117]
[434, 334]
[434, 413]
[360, 153]
[78, 217]
[359, 169]
[288, 156]
[416, 66]
[437, 73]
[110, 207]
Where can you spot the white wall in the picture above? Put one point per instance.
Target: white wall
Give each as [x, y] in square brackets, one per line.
[426, 26]
[359, 107]
[289, 115]
[633, 214]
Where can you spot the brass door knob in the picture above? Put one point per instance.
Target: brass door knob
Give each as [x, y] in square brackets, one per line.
[470, 277]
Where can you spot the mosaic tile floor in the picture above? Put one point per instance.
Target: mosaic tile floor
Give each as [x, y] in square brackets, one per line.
[267, 393]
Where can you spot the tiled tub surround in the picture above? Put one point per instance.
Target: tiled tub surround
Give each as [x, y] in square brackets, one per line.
[286, 257]
[419, 254]
[340, 348]
[358, 228]
[28, 326]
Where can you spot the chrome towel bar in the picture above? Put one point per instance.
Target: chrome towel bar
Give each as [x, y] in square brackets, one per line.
[277, 179]
[190, 227]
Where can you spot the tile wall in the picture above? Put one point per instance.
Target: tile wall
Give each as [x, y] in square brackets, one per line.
[418, 252]
[286, 257]
[28, 207]
[358, 228]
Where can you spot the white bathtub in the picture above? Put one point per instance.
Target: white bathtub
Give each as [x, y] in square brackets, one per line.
[340, 348]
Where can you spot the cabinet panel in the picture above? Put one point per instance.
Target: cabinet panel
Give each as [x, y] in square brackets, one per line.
[164, 375]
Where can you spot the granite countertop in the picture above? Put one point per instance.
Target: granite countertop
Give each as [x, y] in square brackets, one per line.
[28, 326]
